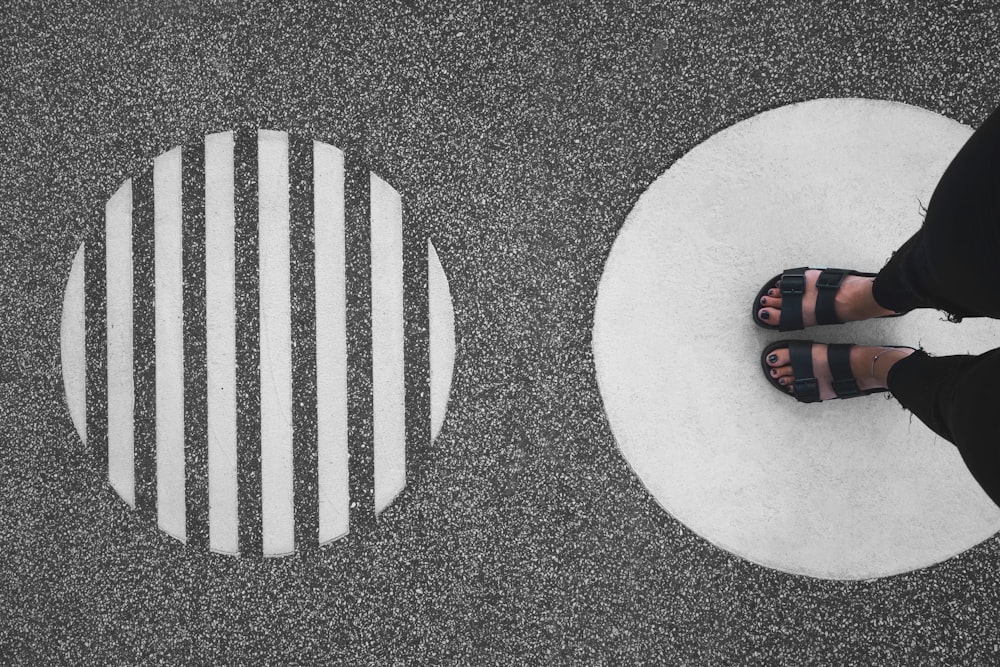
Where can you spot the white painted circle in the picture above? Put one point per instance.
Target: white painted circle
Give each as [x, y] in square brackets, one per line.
[844, 489]
[132, 461]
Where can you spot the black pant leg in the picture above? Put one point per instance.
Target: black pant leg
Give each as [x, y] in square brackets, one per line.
[893, 287]
[957, 397]
[953, 261]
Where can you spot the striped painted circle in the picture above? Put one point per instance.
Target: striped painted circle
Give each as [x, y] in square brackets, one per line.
[236, 349]
[843, 489]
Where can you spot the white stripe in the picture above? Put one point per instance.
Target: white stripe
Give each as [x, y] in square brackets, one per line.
[331, 342]
[441, 321]
[121, 386]
[73, 339]
[220, 268]
[277, 506]
[388, 380]
[167, 215]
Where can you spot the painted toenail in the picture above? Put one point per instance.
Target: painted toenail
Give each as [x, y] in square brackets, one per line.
[781, 380]
[770, 292]
[764, 315]
[773, 358]
[763, 300]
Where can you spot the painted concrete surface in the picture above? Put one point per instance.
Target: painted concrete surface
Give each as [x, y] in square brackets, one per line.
[332, 431]
[169, 343]
[176, 330]
[220, 342]
[520, 137]
[72, 348]
[846, 489]
[388, 340]
[441, 321]
[120, 382]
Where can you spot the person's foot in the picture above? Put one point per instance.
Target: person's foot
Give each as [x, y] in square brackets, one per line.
[869, 372]
[853, 301]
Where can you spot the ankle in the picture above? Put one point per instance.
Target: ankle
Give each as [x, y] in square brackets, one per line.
[858, 299]
[883, 359]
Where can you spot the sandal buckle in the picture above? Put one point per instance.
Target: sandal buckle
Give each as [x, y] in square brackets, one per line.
[793, 283]
[847, 388]
[806, 390]
[830, 279]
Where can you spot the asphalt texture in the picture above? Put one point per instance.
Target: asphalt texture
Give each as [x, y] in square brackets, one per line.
[520, 137]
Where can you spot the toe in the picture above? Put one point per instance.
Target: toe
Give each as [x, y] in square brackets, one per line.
[782, 372]
[779, 357]
[770, 302]
[771, 316]
[787, 380]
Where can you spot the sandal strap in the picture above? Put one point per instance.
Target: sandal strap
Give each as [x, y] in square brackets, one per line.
[793, 286]
[800, 353]
[839, 357]
[828, 285]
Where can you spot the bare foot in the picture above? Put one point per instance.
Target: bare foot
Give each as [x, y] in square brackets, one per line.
[853, 301]
[862, 357]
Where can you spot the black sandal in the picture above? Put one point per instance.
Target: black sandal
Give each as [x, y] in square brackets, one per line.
[793, 286]
[806, 385]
